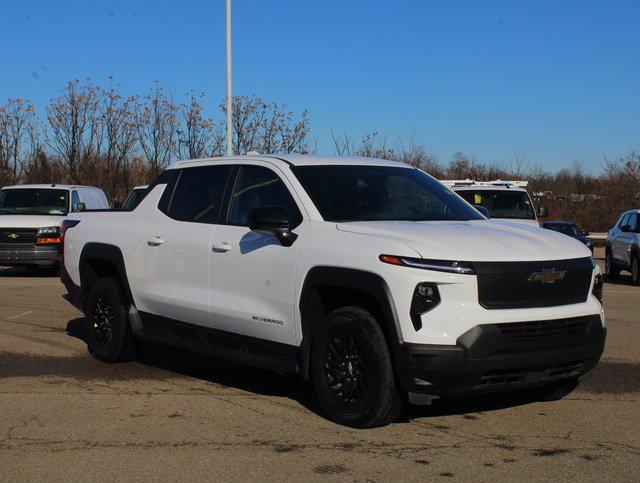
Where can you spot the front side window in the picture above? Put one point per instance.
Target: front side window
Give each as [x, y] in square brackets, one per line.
[198, 194]
[502, 203]
[256, 187]
[380, 193]
[34, 201]
[624, 220]
[634, 221]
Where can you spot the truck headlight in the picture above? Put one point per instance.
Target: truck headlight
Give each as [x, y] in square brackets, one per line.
[48, 235]
[450, 266]
[425, 297]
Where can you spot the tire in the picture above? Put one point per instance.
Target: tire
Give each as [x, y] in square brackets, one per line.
[551, 392]
[352, 371]
[610, 270]
[635, 270]
[108, 331]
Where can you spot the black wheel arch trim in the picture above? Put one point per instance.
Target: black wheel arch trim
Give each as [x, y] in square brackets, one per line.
[107, 253]
[363, 281]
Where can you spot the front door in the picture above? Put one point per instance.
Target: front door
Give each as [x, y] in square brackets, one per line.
[253, 275]
[178, 245]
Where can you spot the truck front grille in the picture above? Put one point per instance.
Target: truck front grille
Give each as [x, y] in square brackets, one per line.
[510, 285]
[18, 236]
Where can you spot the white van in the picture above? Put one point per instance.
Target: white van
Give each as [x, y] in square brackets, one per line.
[30, 219]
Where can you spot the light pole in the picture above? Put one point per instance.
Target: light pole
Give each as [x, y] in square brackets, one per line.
[229, 100]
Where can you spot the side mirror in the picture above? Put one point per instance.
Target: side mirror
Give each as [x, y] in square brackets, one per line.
[543, 211]
[80, 206]
[483, 209]
[625, 228]
[586, 233]
[273, 219]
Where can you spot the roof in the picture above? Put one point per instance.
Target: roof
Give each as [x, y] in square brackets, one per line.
[49, 186]
[486, 187]
[292, 160]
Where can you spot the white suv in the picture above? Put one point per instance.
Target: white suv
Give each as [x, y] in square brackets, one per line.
[623, 247]
[367, 277]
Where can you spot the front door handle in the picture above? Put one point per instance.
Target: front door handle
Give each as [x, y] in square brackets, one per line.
[156, 241]
[221, 247]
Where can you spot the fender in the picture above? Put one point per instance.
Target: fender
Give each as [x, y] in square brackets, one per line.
[107, 253]
[363, 281]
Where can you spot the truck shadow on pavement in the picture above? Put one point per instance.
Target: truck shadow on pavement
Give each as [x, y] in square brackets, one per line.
[153, 360]
[28, 272]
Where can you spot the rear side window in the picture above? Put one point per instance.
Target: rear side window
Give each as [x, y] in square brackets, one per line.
[257, 186]
[75, 199]
[199, 193]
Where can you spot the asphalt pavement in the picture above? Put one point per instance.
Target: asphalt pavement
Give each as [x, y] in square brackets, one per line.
[174, 416]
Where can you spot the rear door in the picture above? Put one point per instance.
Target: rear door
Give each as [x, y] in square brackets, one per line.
[253, 275]
[178, 246]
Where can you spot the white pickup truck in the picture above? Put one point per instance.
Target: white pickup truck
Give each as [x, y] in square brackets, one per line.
[30, 219]
[367, 277]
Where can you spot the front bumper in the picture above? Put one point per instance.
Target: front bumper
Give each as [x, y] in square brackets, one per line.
[503, 357]
[42, 256]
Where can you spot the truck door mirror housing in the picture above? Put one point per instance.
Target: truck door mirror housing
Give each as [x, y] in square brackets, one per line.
[484, 210]
[543, 211]
[273, 219]
[80, 206]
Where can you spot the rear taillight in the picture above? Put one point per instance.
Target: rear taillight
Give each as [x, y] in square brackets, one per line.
[66, 224]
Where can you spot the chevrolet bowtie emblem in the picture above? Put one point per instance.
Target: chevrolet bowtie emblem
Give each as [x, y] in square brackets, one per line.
[13, 236]
[548, 275]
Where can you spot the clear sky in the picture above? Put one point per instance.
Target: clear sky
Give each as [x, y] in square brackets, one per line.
[553, 81]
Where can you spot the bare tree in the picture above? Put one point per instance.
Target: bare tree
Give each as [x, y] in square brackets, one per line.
[197, 136]
[17, 121]
[74, 131]
[118, 120]
[156, 127]
[267, 128]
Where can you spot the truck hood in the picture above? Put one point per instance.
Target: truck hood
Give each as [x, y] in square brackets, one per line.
[30, 221]
[478, 241]
[517, 221]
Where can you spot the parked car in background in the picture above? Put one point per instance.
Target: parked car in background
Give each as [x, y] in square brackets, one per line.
[365, 276]
[570, 229]
[134, 197]
[504, 200]
[30, 219]
[623, 247]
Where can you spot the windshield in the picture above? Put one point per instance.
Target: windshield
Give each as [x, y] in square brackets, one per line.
[134, 198]
[380, 193]
[502, 203]
[565, 228]
[32, 201]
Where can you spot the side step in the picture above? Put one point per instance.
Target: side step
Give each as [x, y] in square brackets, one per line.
[236, 348]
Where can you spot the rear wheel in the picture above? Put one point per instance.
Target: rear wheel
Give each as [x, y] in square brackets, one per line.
[610, 270]
[108, 330]
[635, 270]
[352, 371]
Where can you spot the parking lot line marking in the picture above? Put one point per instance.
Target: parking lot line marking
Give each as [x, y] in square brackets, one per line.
[20, 315]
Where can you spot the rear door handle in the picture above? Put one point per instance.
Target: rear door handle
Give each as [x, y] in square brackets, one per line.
[221, 247]
[156, 241]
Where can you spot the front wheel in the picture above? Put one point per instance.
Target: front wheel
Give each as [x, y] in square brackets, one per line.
[352, 371]
[610, 270]
[108, 330]
[635, 270]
